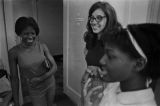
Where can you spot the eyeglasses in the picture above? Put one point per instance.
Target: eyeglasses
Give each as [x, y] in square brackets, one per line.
[98, 18]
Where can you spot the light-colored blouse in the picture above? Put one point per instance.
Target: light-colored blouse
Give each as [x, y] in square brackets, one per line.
[114, 97]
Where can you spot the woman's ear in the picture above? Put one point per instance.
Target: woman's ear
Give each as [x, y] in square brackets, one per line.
[140, 64]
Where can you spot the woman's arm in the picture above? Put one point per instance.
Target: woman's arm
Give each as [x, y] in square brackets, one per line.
[85, 51]
[86, 74]
[52, 61]
[14, 75]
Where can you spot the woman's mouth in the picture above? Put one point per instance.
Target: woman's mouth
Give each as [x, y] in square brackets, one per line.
[94, 27]
[29, 40]
[103, 71]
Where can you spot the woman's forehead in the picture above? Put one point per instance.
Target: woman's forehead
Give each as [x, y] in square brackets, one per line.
[112, 48]
[98, 11]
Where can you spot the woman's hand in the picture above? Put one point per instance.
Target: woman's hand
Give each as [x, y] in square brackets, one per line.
[96, 71]
[93, 70]
[102, 73]
[87, 98]
[84, 78]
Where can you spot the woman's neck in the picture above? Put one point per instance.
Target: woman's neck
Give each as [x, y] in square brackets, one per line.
[135, 83]
[29, 46]
[98, 36]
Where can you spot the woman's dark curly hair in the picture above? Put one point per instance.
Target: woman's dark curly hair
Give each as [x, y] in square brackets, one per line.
[89, 37]
[24, 22]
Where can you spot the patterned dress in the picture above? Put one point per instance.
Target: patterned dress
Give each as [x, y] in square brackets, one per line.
[93, 57]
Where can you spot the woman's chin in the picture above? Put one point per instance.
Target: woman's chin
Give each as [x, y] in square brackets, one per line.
[95, 31]
[29, 43]
[107, 78]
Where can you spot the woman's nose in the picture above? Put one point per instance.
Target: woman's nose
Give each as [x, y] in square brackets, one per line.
[30, 35]
[103, 60]
[93, 21]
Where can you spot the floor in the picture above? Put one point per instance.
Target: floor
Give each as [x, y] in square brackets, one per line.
[64, 100]
[61, 99]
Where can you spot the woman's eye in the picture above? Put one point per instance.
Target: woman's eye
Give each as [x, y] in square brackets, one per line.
[33, 33]
[99, 17]
[111, 57]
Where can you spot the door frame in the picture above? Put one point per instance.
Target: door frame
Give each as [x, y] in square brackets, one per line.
[74, 95]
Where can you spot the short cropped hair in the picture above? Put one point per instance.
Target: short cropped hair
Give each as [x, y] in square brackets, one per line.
[24, 22]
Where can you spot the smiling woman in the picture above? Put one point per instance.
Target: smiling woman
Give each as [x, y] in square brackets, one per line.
[28, 36]
[102, 18]
[30, 56]
[98, 20]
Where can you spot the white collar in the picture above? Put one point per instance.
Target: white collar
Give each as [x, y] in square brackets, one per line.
[136, 97]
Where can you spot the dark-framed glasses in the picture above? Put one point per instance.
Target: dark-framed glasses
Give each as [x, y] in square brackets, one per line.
[98, 18]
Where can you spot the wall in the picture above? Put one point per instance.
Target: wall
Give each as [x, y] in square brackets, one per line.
[154, 11]
[3, 44]
[131, 11]
[50, 19]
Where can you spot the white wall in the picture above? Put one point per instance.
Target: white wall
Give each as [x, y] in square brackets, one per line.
[154, 11]
[3, 45]
[131, 11]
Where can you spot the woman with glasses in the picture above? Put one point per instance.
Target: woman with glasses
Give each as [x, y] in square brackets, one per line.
[31, 58]
[102, 18]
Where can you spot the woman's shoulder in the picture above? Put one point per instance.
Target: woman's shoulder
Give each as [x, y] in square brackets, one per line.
[43, 45]
[14, 50]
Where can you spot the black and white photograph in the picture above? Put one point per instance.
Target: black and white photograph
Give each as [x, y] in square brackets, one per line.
[79, 52]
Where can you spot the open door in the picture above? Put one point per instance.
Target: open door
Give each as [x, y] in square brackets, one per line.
[75, 18]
